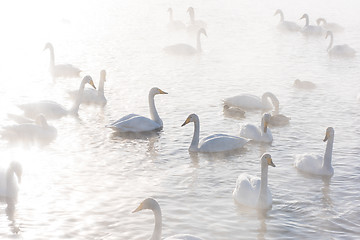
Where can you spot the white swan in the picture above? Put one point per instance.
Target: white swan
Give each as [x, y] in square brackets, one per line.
[252, 102]
[311, 30]
[90, 95]
[10, 178]
[60, 70]
[339, 50]
[233, 112]
[278, 119]
[185, 49]
[53, 110]
[213, 143]
[334, 27]
[153, 205]
[318, 164]
[258, 134]
[252, 191]
[135, 123]
[194, 25]
[304, 84]
[175, 24]
[286, 25]
[39, 132]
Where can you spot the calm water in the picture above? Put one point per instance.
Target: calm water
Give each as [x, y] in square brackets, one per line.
[86, 183]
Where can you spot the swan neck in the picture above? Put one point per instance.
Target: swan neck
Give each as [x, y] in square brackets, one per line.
[331, 41]
[171, 19]
[273, 98]
[101, 86]
[52, 57]
[195, 141]
[281, 16]
[307, 20]
[158, 223]
[74, 110]
[192, 17]
[153, 112]
[262, 126]
[328, 153]
[263, 183]
[198, 43]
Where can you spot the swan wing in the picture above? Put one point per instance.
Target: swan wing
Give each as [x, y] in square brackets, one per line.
[134, 123]
[50, 109]
[309, 163]
[66, 71]
[342, 50]
[28, 132]
[221, 143]
[244, 101]
[247, 190]
[180, 49]
[289, 26]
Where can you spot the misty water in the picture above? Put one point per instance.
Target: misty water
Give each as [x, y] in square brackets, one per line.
[86, 183]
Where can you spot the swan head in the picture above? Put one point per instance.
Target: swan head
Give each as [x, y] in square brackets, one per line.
[154, 91]
[191, 118]
[48, 46]
[266, 158]
[328, 33]
[278, 11]
[17, 169]
[103, 75]
[202, 30]
[88, 79]
[297, 82]
[170, 10]
[304, 16]
[266, 119]
[319, 20]
[190, 10]
[148, 203]
[329, 133]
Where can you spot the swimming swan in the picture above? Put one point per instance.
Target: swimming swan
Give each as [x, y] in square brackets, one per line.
[135, 123]
[174, 24]
[286, 25]
[253, 192]
[39, 132]
[334, 27]
[258, 134]
[185, 49]
[60, 70]
[153, 205]
[318, 164]
[252, 102]
[10, 178]
[278, 119]
[213, 143]
[311, 30]
[90, 95]
[339, 50]
[53, 110]
[194, 25]
[304, 84]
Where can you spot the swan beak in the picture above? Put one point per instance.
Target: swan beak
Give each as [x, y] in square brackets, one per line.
[326, 137]
[92, 84]
[162, 92]
[302, 17]
[139, 208]
[265, 127]
[186, 122]
[270, 162]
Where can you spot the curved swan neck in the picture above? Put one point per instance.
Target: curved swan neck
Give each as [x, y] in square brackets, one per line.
[328, 153]
[153, 112]
[263, 183]
[198, 43]
[331, 41]
[158, 223]
[75, 108]
[273, 98]
[195, 141]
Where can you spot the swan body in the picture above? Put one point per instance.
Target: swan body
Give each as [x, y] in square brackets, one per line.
[54, 110]
[334, 27]
[339, 50]
[153, 205]
[213, 143]
[234, 112]
[304, 84]
[317, 164]
[252, 102]
[278, 119]
[135, 123]
[194, 25]
[258, 134]
[252, 191]
[10, 178]
[286, 25]
[183, 49]
[60, 70]
[311, 30]
[39, 131]
[90, 95]
[175, 24]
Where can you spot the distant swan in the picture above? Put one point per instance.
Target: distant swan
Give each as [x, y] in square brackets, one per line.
[212, 143]
[60, 70]
[278, 119]
[194, 25]
[153, 205]
[174, 24]
[53, 110]
[258, 134]
[10, 178]
[90, 95]
[233, 112]
[339, 50]
[334, 27]
[185, 49]
[318, 164]
[38, 132]
[311, 30]
[286, 25]
[253, 192]
[304, 84]
[134, 123]
[252, 102]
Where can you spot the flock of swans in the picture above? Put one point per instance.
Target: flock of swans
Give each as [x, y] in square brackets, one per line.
[249, 190]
